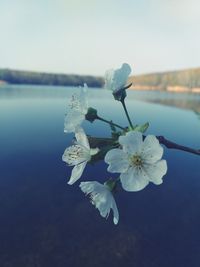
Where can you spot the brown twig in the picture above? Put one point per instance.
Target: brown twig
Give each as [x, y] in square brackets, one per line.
[171, 145]
[96, 141]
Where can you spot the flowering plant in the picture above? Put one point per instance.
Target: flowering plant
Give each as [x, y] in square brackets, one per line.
[135, 156]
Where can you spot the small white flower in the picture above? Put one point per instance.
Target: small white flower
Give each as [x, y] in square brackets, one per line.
[117, 79]
[77, 111]
[78, 155]
[139, 162]
[102, 198]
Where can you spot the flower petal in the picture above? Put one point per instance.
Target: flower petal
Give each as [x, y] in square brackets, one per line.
[132, 142]
[102, 198]
[102, 202]
[152, 151]
[94, 151]
[75, 154]
[77, 109]
[109, 80]
[121, 76]
[156, 171]
[77, 172]
[115, 211]
[82, 138]
[83, 98]
[117, 79]
[73, 119]
[134, 179]
[88, 187]
[117, 160]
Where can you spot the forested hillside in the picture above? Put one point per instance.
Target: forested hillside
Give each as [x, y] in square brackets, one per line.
[28, 77]
[185, 78]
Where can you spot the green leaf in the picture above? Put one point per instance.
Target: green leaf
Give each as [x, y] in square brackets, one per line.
[141, 128]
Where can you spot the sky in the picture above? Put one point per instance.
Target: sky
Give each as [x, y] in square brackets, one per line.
[91, 36]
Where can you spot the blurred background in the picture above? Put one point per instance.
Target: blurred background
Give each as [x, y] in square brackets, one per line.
[91, 36]
[48, 49]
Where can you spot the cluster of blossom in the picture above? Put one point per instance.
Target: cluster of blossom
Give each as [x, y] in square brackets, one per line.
[136, 157]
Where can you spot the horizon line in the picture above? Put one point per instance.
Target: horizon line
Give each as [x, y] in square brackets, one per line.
[98, 75]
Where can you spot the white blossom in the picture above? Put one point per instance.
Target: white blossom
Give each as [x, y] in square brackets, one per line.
[138, 162]
[78, 155]
[117, 79]
[102, 198]
[77, 110]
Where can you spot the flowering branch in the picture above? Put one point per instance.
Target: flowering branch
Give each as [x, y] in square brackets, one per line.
[135, 156]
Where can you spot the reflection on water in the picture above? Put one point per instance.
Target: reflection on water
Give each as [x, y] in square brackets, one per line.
[46, 223]
[198, 114]
[184, 100]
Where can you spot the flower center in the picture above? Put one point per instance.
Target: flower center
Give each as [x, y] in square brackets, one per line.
[136, 160]
[76, 152]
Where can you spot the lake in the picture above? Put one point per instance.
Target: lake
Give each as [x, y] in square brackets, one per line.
[47, 223]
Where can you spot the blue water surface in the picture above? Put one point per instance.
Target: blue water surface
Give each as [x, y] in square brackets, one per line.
[47, 223]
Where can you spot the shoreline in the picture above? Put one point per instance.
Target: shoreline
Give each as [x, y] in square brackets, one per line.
[136, 87]
[175, 89]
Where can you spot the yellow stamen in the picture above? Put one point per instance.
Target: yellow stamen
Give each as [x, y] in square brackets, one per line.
[136, 160]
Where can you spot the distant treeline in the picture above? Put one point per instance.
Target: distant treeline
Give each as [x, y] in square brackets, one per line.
[189, 78]
[186, 78]
[39, 78]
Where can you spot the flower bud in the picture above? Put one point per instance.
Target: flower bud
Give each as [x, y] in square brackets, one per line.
[120, 94]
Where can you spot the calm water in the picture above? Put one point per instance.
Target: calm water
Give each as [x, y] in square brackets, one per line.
[46, 223]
